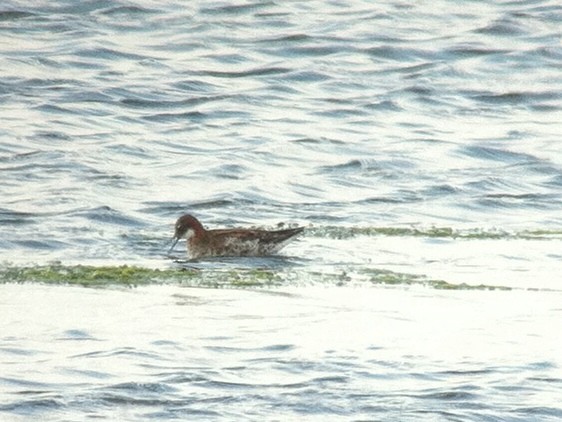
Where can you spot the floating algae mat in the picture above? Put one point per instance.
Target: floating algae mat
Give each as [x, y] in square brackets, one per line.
[432, 232]
[130, 276]
[386, 277]
[90, 275]
[86, 275]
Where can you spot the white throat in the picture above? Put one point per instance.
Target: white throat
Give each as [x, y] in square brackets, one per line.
[189, 234]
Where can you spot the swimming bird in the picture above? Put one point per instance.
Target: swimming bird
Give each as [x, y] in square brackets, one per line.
[203, 243]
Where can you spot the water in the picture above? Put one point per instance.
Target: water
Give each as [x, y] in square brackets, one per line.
[166, 353]
[419, 144]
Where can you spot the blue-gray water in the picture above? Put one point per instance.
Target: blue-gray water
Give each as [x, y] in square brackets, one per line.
[418, 142]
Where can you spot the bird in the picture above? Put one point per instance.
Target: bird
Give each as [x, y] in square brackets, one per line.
[203, 243]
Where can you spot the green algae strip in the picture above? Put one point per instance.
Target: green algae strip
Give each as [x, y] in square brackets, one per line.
[130, 276]
[385, 277]
[125, 275]
[86, 275]
[336, 232]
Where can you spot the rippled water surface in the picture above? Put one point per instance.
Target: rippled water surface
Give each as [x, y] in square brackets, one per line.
[418, 143]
